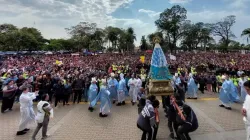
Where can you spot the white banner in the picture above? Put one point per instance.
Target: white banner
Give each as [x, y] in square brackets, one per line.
[243, 51]
[172, 57]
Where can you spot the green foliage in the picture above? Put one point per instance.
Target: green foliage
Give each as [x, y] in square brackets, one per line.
[223, 29]
[196, 35]
[173, 28]
[246, 33]
[171, 22]
[59, 44]
[14, 39]
[144, 45]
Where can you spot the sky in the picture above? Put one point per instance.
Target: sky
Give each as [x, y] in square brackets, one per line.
[51, 17]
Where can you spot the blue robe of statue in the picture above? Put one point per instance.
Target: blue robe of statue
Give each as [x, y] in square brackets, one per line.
[112, 87]
[92, 93]
[234, 97]
[225, 93]
[103, 97]
[159, 66]
[192, 88]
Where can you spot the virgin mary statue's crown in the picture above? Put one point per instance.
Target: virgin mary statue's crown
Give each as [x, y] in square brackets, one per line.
[157, 40]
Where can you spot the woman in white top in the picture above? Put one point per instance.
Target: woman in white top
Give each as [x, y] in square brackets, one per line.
[26, 110]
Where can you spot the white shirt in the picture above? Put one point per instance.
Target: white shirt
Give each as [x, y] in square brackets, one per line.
[132, 81]
[246, 106]
[138, 83]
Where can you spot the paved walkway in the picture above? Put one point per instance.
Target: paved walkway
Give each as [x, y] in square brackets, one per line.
[75, 122]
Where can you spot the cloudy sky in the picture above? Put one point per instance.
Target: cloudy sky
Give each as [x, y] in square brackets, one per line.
[51, 17]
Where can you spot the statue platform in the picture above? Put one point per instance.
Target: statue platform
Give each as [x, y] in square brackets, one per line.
[160, 88]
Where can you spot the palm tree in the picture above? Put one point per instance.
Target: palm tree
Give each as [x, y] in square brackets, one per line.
[112, 35]
[130, 31]
[246, 32]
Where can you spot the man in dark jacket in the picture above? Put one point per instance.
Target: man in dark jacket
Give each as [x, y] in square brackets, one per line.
[214, 83]
[77, 86]
[182, 127]
[202, 83]
[146, 121]
[58, 91]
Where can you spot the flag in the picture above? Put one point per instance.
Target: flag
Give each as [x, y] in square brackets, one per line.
[233, 62]
[58, 63]
[142, 59]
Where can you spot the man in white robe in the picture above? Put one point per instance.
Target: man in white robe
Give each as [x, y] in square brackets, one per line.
[246, 110]
[133, 91]
[26, 110]
[138, 84]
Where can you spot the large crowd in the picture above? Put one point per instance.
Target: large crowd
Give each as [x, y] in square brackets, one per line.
[59, 78]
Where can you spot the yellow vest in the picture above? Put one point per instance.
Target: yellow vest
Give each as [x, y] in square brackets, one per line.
[236, 81]
[179, 70]
[115, 67]
[193, 70]
[100, 83]
[219, 78]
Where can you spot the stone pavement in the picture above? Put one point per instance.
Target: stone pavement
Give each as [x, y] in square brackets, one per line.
[75, 122]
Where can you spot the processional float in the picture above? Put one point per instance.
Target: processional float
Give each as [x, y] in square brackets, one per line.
[159, 75]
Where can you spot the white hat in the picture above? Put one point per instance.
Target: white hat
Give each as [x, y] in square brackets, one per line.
[223, 77]
[112, 75]
[176, 74]
[190, 75]
[93, 79]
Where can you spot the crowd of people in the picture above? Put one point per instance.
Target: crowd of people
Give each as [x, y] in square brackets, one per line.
[110, 78]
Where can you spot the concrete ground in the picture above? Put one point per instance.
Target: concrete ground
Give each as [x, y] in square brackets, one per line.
[75, 122]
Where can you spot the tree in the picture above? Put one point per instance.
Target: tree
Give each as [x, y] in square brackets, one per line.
[5, 28]
[246, 33]
[153, 35]
[19, 39]
[81, 33]
[144, 44]
[171, 24]
[82, 29]
[130, 38]
[113, 35]
[59, 44]
[34, 39]
[235, 45]
[97, 40]
[223, 29]
[6, 39]
[196, 35]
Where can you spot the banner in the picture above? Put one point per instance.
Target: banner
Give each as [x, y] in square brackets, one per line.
[243, 51]
[142, 59]
[172, 57]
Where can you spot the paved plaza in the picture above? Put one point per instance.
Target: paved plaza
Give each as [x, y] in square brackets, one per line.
[75, 122]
